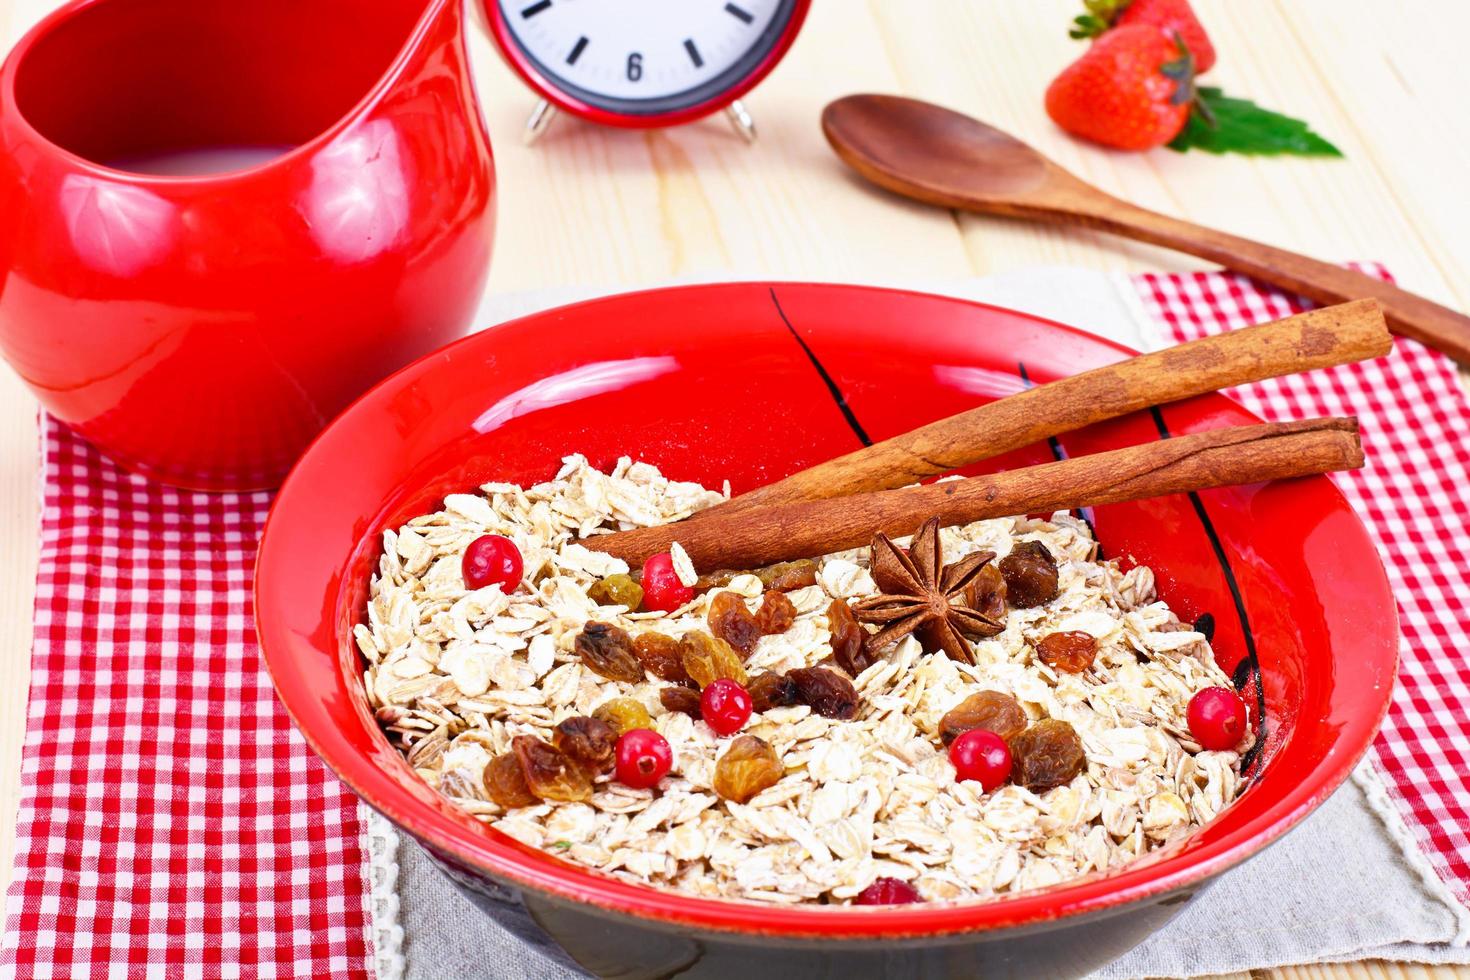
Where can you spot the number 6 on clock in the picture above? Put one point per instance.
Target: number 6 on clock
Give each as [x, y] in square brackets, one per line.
[646, 63]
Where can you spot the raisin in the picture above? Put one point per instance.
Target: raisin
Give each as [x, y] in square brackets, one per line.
[780, 577]
[987, 593]
[589, 742]
[731, 621]
[1047, 755]
[787, 575]
[617, 590]
[709, 658]
[1071, 652]
[747, 767]
[990, 710]
[550, 774]
[1030, 573]
[776, 613]
[659, 654]
[772, 690]
[505, 783]
[829, 693]
[680, 699]
[717, 579]
[849, 639]
[623, 715]
[608, 650]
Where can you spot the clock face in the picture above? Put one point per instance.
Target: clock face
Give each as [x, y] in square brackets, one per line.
[646, 57]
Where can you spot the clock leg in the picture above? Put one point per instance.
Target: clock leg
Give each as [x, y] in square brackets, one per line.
[740, 119]
[539, 121]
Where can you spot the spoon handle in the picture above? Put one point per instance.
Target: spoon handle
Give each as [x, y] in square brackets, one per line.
[1408, 315]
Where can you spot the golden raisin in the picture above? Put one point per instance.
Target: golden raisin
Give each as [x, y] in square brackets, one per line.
[829, 693]
[776, 613]
[849, 645]
[787, 575]
[747, 767]
[709, 658]
[505, 783]
[780, 577]
[717, 579]
[731, 621]
[607, 650]
[1072, 651]
[589, 742]
[772, 690]
[1047, 755]
[990, 710]
[680, 699]
[623, 715]
[617, 590]
[550, 774]
[659, 654]
[1030, 573]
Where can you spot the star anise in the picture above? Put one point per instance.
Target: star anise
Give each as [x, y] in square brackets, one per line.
[923, 596]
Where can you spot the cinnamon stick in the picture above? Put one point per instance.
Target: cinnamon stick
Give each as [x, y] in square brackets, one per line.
[762, 535]
[1320, 338]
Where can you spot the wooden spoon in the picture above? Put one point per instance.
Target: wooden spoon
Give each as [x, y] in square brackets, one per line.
[942, 157]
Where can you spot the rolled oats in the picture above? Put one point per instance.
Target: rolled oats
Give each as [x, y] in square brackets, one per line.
[454, 675]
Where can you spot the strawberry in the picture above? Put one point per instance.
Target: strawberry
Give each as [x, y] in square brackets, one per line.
[1170, 16]
[1132, 89]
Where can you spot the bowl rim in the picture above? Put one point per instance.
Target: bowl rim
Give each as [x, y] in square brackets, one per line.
[504, 859]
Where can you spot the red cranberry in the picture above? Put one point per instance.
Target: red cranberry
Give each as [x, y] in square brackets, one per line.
[887, 891]
[492, 560]
[662, 589]
[644, 757]
[1217, 718]
[982, 756]
[725, 706]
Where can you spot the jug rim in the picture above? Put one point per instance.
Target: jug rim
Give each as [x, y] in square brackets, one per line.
[433, 9]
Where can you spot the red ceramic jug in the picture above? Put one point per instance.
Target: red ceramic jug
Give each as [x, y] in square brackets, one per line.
[202, 328]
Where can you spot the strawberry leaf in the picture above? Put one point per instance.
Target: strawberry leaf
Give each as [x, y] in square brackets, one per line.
[1085, 26]
[1241, 126]
[1099, 17]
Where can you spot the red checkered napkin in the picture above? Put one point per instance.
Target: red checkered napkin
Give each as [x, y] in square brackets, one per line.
[172, 823]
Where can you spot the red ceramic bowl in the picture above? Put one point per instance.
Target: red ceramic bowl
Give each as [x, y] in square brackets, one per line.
[750, 382]
[202, 329]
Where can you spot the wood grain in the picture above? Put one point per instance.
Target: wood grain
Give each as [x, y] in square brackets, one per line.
[1408, 314]
[950, 159]
[610, 209]
[18, 531]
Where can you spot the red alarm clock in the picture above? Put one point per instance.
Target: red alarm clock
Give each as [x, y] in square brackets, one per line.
[643, 63]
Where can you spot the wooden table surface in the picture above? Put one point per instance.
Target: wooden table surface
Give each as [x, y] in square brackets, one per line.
[615, 208]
